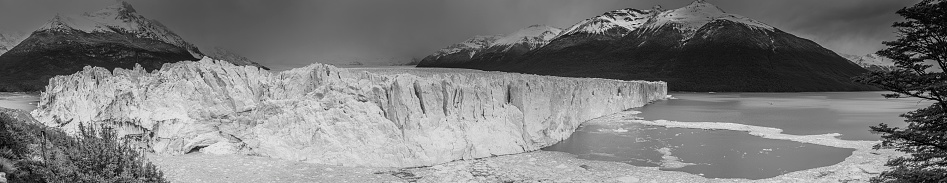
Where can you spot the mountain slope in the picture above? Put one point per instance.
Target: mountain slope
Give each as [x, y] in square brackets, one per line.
[481, 50]
[698, 47]
[607, 27]
[10, 39]
[115, 37]
[872, 62]
[459, 54]
[234, 58]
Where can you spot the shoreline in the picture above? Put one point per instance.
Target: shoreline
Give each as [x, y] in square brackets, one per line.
[863, 164]
[550, 166]
[764, 132]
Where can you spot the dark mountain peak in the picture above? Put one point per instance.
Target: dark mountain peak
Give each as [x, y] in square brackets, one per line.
[537, 26]
[122, 10]
[626, 12]
[124, 7]
[59, 23]
[234, 58]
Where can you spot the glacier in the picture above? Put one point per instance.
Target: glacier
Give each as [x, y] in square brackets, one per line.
[323, 114]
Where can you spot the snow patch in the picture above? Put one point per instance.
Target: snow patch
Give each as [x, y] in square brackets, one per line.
[533, 36]
[694, 16]
[871, 60]
[472, 44]
[628, 19]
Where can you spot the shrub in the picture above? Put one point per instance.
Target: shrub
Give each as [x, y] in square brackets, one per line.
[95, 154]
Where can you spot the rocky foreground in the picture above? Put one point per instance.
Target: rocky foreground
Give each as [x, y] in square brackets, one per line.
[322, 114]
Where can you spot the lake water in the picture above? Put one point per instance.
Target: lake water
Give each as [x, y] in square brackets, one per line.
[734, 154]
[708, 153]
[22, 101]
[846, 113]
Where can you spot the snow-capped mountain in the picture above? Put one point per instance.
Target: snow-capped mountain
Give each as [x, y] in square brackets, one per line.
[698, 47]
[613, 23]
[120, 18]
[692, 17]
[496, 47]
[9, 39]
[234, 58]
[609, 26]
[872, 62]
[461, 52]
[531, 37]
[114, 37]
[468, 47]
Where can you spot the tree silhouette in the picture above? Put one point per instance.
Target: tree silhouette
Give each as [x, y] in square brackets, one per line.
[920, 53]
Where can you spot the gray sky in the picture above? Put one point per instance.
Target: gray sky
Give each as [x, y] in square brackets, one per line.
[291, 33]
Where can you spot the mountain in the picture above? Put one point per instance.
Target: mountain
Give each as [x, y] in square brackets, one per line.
[872, 62]
[459, 53]
[114, 37]
[9, 39]
[698, 47]
[234, 58]
[527, 39]
[494, 48]
[604, 28]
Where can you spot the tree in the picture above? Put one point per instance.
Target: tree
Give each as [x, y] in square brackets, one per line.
[920, 53]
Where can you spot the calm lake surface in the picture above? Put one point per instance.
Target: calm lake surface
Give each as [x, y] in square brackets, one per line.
[846, 113]
[708, 153]
[734, 154]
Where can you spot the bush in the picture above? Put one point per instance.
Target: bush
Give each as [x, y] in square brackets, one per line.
[44, 154]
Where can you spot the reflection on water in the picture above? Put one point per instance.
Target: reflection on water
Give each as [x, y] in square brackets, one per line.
[847, 113]
[709, 153]
[20, 101]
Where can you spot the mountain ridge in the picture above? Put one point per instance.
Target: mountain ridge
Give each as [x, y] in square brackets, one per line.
[9, 39]
[698, 47]
[234, 58]
[114, 37]
[872, 62]
[119, 18]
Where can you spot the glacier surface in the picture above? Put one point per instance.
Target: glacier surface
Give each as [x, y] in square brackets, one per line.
[322, 114]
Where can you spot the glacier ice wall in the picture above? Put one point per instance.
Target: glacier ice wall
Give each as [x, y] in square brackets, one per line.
[322, 114]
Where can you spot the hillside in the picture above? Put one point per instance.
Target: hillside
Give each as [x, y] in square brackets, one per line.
[698, 47]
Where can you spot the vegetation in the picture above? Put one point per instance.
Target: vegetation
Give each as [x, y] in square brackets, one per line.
[921, 54]
[42, 154]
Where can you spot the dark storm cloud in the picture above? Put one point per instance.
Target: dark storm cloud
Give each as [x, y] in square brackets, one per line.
[291, 33]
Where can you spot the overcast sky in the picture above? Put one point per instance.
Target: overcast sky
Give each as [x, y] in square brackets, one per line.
[292, 33]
